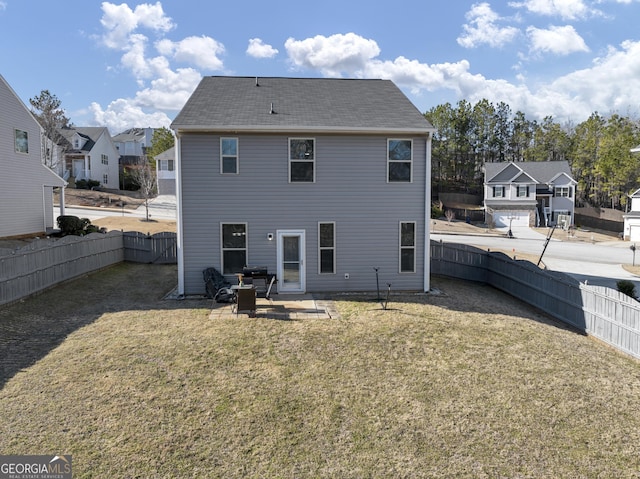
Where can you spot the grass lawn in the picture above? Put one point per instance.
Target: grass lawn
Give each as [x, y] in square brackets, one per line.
[469, 383]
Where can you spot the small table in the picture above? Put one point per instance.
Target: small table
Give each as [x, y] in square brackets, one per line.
[245, 299]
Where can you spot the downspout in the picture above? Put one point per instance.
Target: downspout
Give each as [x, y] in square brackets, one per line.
[427, 216]
[180, 240]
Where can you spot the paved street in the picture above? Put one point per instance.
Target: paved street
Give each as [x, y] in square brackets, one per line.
[160, 208]
[598, 264]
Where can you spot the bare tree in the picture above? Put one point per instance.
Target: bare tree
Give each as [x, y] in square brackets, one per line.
[450, 215]
[46, 107]
[145, 176]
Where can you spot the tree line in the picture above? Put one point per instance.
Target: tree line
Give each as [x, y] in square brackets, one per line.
[597, 149]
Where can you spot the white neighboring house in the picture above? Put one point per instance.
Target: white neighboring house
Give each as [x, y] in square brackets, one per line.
[166, 172]
[89, 153]
[532, 193]
[632, 219]
[26, 183]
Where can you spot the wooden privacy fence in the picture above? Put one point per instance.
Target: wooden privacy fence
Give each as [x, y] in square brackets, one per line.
[47, 262]
[601, 312]
[160, 248]
[44, 263]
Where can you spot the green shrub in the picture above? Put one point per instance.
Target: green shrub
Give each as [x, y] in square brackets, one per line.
[72, 225]
[627, 287]
[87, 184]
[436, 212]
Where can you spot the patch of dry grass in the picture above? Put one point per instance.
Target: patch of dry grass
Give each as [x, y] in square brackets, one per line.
[127, 223]
[469, 383]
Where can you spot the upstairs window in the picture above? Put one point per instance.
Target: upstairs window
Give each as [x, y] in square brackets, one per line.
[408, 247]
[229, 155]
[327, 246]
[22, 141]
[234, 247]
[399, 159]
[104, 159]
[165, 165]
[498, 191]
[523, 191]
[302, 160]
[562, 191]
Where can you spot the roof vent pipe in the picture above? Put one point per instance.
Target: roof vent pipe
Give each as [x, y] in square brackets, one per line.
[257, 84]
[272, 111]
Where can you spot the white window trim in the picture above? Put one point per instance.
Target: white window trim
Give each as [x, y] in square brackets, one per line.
[526, 191]
[414, 247]
[246, 242]
[566, 188]
[237, 155]
[497, 188]
[389, 161]
[15, 141]
[333, 247]
[291, 160]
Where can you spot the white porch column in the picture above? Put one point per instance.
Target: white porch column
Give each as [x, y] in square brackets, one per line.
[62, 200]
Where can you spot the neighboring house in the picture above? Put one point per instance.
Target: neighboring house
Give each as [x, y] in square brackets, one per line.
[166, 172]
[632, 219]
[631, 230]
[88, 153]
[533, 193]
[132, 144]
[319, 180]
[26, 184]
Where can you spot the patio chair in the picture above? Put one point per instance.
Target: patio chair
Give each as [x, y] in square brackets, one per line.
[217, 287]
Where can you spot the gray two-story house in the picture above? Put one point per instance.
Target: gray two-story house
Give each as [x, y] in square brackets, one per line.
[530, 193]
[318, 180]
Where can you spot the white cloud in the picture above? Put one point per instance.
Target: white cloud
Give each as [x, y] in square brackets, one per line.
[121, 114]
[200, 51]
[120, 21]
[3, 5]
[483, 28]
[565, 9]
[258, 49]
[558, 40]
[332, 55]
[170, 91]
[575, 95]
[160, 87]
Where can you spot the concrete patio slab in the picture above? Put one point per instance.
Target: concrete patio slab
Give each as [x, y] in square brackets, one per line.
[281, 306]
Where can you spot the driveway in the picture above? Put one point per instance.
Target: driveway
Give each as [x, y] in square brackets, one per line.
[597, 264]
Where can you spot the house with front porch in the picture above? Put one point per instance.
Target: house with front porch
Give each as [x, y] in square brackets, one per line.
[26, 183]
[320, 181]
[531, 194]
[631, 230]
[88, 153]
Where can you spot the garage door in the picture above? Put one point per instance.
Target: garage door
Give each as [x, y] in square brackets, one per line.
[512, 218]
[634, 233]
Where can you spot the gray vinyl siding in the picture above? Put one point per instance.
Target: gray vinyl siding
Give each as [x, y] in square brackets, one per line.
[23, 174]
[350, 190]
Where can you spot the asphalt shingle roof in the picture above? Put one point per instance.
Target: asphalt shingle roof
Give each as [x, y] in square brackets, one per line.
[541, 171]
[321, 104]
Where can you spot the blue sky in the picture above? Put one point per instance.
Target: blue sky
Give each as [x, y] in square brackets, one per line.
[134, 64]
